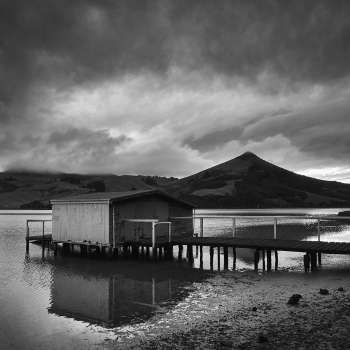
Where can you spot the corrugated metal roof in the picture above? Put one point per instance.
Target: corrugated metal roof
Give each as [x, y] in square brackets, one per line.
[111, 197]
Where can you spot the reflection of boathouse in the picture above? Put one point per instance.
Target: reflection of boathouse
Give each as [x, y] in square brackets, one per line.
[109, 301]
[102, 218]
[95, 293]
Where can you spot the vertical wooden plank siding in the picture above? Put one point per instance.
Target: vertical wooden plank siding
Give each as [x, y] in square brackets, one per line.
[180, 227]
[79, 222]
[150, 207]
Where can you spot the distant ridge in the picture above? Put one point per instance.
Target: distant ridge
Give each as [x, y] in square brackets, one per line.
[246, 181]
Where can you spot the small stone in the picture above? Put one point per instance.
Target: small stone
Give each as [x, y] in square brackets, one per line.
[294, 299]
[324, 291]
[340, 289]
[254, 308]
[262, 339]
[226, 342]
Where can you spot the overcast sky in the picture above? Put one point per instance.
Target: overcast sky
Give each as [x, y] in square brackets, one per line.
[173, 87]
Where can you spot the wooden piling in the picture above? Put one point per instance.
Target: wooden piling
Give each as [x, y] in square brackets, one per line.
[71, 248]
[201, 256]
[306, 263]
[190, 252]
[125, 250]
[276, 260]
[154, 253]
[55, 249]
[147, 252]
[234, 257]
[219, 255]
[256, 260]
[170, 251]
[225, 258]
[263, 258]
[211, 253]
[268, 258]
[313, 261]
[180, 252]
[319, 259]
[27, 238]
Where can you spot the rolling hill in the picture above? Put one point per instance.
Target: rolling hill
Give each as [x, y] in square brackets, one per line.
[246, 181]
[34, 190]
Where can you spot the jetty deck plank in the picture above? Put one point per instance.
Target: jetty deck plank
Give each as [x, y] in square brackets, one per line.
[39, 238]
[235, 242]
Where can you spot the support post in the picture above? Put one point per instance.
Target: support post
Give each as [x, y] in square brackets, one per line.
[180, 252]
[71, 248]
[170, 248]
[306, 263]
[190, 252]
[211, 253]
[154, 251]
[125, 250]
[201, 228]
[318, 229]
[225, 258]
[27, 238]
[234, 227]
[256, 260]
[55, 249]
[319, 259]
[43, 228]
[115, 252]
[263, 258]
[201, 256]
[313, 261]
[147, 252]
[234, 257]
[268, 258]
[275, 228]
[276, 260]
[219, 255]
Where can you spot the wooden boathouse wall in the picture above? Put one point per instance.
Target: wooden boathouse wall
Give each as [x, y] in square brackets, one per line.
[80, 222]
[101, 217]
[150, 207]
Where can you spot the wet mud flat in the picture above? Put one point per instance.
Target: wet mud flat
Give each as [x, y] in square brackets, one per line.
[246, 310]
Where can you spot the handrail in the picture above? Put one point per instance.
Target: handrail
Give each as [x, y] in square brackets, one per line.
[154, 222]
[274, 217]
[27, 230]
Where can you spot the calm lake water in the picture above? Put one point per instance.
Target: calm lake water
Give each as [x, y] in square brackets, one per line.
[66, 302]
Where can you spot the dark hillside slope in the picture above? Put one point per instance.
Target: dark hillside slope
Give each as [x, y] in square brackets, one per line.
[248, 181]
[28, 189]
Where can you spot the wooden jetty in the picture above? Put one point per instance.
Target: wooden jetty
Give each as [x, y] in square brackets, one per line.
[159, 247]
[163, 248]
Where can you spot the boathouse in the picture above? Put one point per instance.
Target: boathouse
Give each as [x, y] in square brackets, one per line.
[109, 218]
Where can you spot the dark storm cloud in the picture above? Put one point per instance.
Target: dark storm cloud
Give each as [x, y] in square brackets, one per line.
[65, 43]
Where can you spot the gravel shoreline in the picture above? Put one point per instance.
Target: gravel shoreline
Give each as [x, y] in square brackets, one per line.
[222, 308]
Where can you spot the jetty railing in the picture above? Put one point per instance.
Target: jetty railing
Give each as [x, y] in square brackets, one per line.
[41, 237]
[274, 217]
[154, 222]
